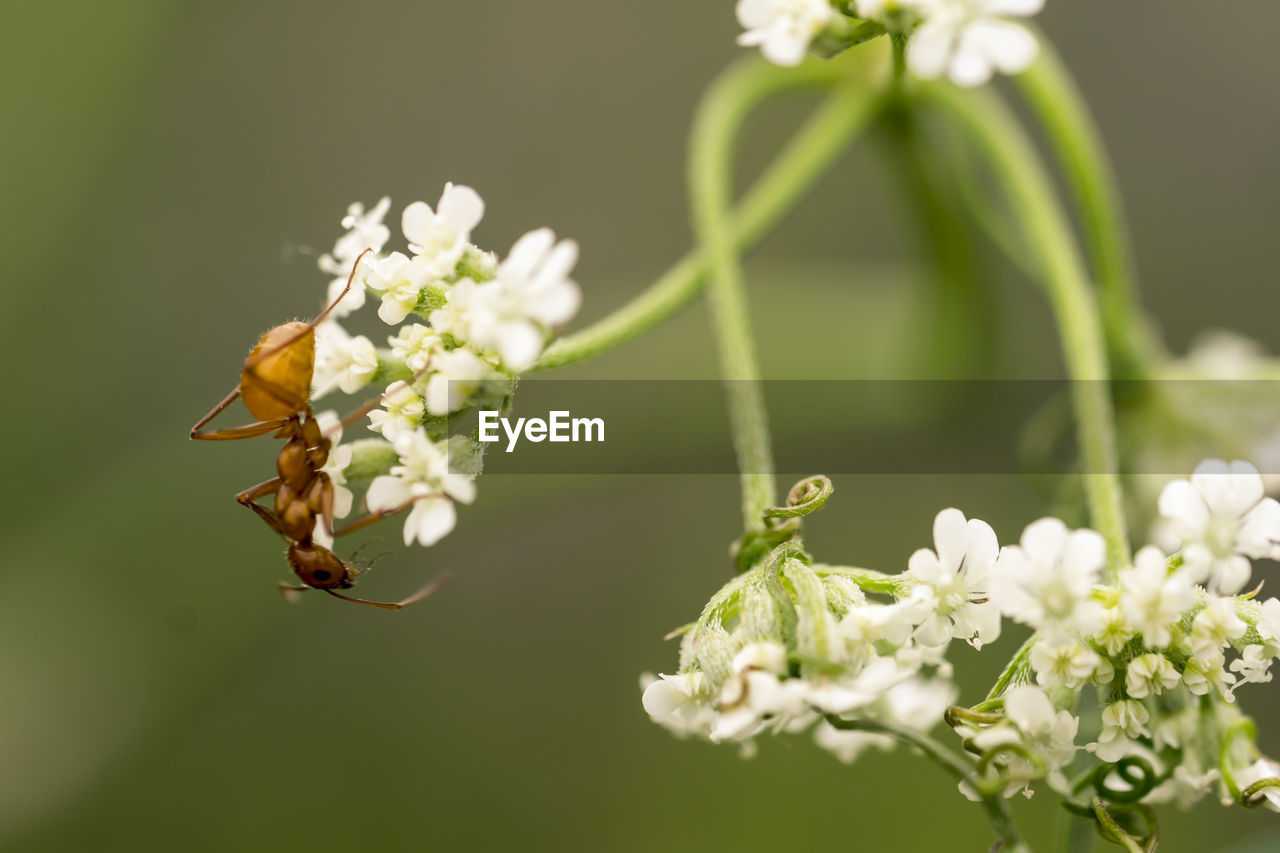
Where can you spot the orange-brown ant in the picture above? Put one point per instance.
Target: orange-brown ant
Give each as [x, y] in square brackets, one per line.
[275, 384]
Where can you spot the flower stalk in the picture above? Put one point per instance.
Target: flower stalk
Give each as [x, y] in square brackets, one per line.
[1056, 102]
[1010, 155]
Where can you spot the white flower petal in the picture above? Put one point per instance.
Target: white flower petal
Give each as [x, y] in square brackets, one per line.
[430, 520]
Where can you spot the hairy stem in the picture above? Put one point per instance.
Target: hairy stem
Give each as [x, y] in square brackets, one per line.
[1057, 104]
[999, 138]
[710, 197]
[827, 132]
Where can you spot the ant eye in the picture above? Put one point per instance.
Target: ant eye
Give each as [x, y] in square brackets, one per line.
[321, 574]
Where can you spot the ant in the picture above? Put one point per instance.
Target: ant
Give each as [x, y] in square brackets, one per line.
[275, 384]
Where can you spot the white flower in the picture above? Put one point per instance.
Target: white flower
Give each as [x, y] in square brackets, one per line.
[1112, 631]
[1204, 672]
[1152, 599]
[848, 745]
[402, 410]
[454, 317]
[341, 361]
[756, 694]
[1122, 722]
[1263, 768]
[782, 29]
[1216, 625]
[1066, 662]
[1222, 518]
[1050, 732]
[530, 294]
[1224, 354]
[364, 231]
[1269, 620]
[892, 623]
[1186, 787]
[439, 238]
[415, 345]
[355, 297]
[1033, 723]
[918, 703]
[423, 478]
[956, 578]
[400, 281]
[1254, 665]
[456, 376]
[969, 40]
[679, 702]
[1046, 581]
[1150, 674]
[853, 692]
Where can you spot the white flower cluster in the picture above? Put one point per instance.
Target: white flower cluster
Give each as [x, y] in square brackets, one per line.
[783, 647]
[965, 40]
[1153, 642]
[467, 326]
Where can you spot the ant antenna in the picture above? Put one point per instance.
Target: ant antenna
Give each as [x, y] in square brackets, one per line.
[435, 584]
[376, 558]
[345, 290]
[355, 555]
[319, 317]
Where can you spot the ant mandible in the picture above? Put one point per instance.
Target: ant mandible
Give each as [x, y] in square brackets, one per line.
[275, 384]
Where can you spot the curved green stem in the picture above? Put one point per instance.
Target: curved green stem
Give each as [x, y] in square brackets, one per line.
[959, 330]
[1058, 105]
[992, 802]
[711, 195]
[1013, 160]
[828, 132]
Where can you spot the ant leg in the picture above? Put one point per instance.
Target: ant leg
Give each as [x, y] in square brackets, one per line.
[213, 413]
[372, 404]
[248, 431]
[435, 584]
[373, 517]
[291, 591]
[250, 496]
[320, 500]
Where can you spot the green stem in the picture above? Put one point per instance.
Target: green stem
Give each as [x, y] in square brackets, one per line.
[960, 327]
[1057, 103]
[711, 195]
[1031, 196]
[992, 802]
[1018, 663]
[1079, 834]
[827, 132]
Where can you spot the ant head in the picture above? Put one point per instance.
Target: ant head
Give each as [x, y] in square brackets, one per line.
[318, 567]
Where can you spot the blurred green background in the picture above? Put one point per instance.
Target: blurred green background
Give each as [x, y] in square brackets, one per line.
[170, 170]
